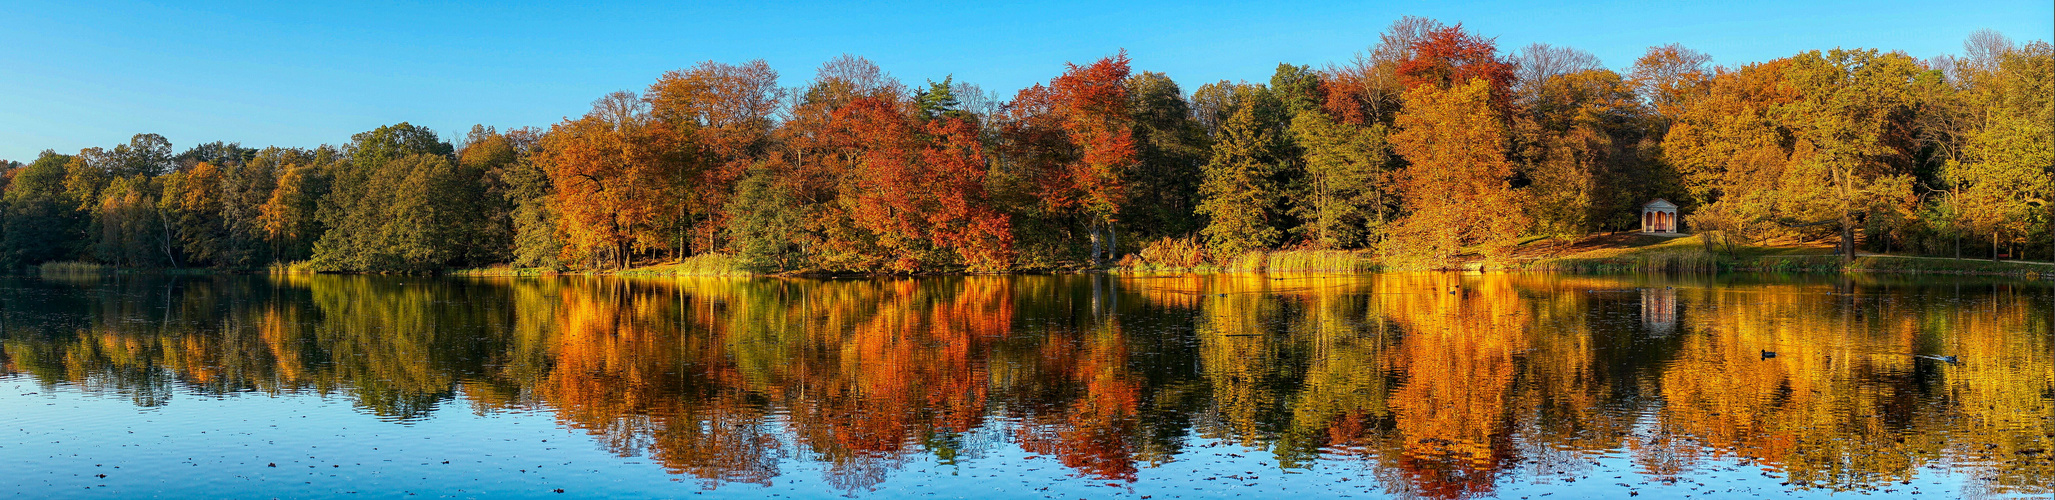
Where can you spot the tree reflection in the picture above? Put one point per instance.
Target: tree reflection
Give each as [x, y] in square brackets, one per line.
[1444, 385]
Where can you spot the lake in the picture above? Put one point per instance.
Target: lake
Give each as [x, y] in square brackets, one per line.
[1435, 385]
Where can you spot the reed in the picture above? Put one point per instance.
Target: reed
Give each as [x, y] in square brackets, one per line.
[706, 264]
[1167, 254]
[294, 267]
[73, 268]
[1321, 261]
[1189, 255]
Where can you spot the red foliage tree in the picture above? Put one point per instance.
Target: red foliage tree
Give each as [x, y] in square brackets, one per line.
[1449, 57]
[1077, 137]
[919, 189]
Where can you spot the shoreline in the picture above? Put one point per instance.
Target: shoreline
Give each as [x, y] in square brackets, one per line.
[1796, 265]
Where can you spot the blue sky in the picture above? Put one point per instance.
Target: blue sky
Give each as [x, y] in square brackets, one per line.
[82, 74]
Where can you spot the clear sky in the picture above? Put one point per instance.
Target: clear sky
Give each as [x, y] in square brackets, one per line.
[77, 74]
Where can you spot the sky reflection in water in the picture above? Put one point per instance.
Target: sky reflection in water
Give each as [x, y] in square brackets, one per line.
[1396, 385]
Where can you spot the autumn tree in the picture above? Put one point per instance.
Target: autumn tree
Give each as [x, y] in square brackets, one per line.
[191, 211]
[1578, 140]
[617, 174]
[724, 111]
[1082, 170]
[289, 217]
[1730, 149]
[1666, 76]
[1455, 185]
[1450, 57]
[1851, 127]
[1453, 136]
[126, 230]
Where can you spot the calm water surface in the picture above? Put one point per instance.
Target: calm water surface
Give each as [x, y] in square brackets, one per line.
[1375, 386]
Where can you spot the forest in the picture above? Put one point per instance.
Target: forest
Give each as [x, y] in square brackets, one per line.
[1432, 145]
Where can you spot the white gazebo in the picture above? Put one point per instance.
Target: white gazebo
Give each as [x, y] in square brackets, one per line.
[1659, 217]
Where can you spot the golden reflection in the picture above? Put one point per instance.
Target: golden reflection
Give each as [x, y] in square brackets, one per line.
[1445, 385]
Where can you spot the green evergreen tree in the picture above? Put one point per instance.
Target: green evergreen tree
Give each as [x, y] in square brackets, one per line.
[1239, 193]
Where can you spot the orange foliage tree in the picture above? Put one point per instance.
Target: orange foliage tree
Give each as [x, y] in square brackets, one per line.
[1456, 188]
[727, 110]
[616, 174]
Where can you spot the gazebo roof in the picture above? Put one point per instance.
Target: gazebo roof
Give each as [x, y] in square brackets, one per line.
[1659, 203]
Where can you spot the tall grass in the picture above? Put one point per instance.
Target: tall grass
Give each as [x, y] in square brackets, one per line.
[1189, 255]
[71, 268]
[706, 264]
[1321, 261]
[1167, 254]
[295, 267]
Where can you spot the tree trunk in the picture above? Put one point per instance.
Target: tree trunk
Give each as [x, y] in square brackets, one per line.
[1112, 243]
[1847, 239]
[1097, 245]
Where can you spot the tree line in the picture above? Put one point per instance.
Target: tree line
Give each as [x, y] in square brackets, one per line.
[1432, 145]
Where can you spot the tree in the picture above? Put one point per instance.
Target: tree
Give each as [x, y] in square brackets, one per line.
[1729, 145]
[1853, 137]
[2006, 175]
[1536, 64]
[938, 99]
[126, 226]
[918, 192]
[1344, 192]
[1083, 171]
[1667, 75]
[1578, 141]
[1450, 57]
[1455, 186]
[1239, 196]
[1170, 148]
[1368, 89]
[398, 204]
[41, 224]
[720, 117]
[532, 212]
[618, 176]
[247, 182]
[763, 220]
[289, 217]
[191, 211]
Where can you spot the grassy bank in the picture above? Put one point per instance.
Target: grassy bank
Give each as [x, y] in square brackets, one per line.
[1690, 254]
[713, 264]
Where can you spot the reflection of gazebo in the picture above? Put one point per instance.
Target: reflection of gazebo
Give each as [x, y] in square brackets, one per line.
[1659, 309]
[1659, 216]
